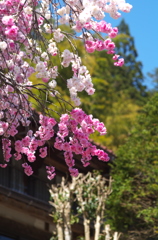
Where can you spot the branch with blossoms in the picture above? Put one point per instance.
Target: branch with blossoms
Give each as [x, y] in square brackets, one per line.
[30, 39]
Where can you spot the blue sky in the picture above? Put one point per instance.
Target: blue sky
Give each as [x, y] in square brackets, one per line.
[143, 24]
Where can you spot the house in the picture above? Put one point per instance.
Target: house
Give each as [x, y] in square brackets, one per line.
[24, 206]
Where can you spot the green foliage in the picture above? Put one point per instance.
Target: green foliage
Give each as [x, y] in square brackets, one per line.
[133, 205]
[90, 201]
[54, 238]
[154, 76]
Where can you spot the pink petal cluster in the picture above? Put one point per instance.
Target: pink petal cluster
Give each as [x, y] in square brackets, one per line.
[100, 45]
[79, 126]
[6, 147]
[50, 172]
[43, 152]
[30, 144]
[27, 169]
[72, 138]
[119, 61]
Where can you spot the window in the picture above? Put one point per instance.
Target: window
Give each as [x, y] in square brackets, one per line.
[13, 177]
[17, 177]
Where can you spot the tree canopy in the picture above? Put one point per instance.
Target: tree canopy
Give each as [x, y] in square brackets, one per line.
[133, 205]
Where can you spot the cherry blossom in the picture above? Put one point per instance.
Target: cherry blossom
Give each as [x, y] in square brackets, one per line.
[29, 43]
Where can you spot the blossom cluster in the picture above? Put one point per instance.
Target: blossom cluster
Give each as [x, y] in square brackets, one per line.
[21, 54]
[72, 137]
[88, 16]
[29, 43]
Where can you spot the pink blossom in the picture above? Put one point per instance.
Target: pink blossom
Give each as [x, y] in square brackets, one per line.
[100, 46]
[45, 80]
[25, 141]
[101, 128]
[6, 149]
[9, 3]
[51, 176]
[43, 152]
[17, 156]
[89, 130]
[18, 145]
[64, 118]
[24, 150]
[41, 143]
[110, 52]
[50, 172]
[110, 46]
[30, 156]
[72, 124]
[84, 143]
[11, 32]
[90, 46]
[33, 144]
[120, 62]
[103, 156]
[8, 20]
[69, 159]
[85, 163]
[88, 26]
[3, 127]
[113, 33]
[78, 114]
[10, 88]
[27, 169]
[40, 20]
[3, 165]
[66, 146]
[105, 27]
[115, 57]
[78, 26]
[106, 42]
[97, 26]
[90, 91]
[73, 171]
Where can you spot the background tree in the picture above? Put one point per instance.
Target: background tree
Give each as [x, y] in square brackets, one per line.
[133, 205]
[154, 76]
[62, 200]
[133, 84]
[89, 193]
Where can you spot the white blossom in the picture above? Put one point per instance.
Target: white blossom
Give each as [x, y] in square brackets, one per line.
[3, 45]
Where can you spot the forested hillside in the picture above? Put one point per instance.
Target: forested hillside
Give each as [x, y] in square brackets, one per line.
[133, 205]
